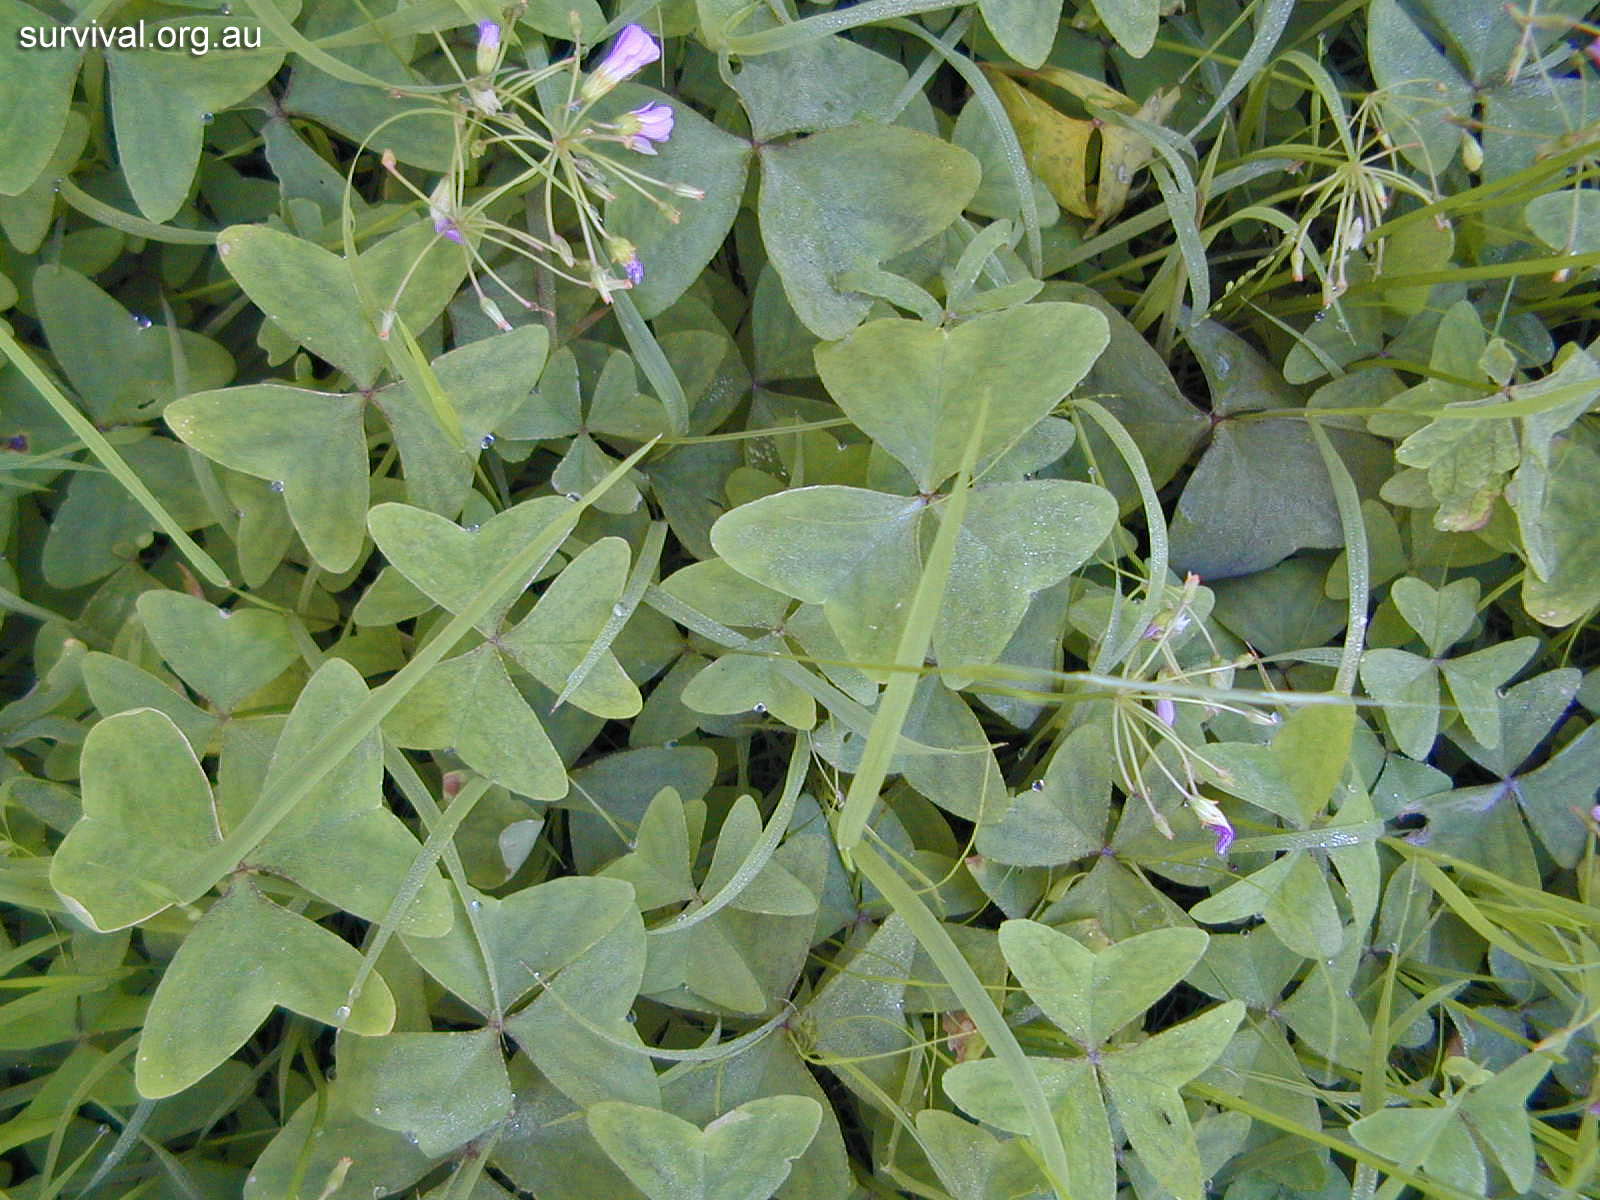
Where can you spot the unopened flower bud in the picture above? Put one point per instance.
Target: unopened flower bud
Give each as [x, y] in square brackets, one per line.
[484, 100]
[488, 46]
[492, 311]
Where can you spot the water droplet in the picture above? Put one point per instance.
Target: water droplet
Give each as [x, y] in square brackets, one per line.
[618, 609]
[276, 485]
[342, 1013]
[224, 613]
[376, 1111]
[141, 321]
[632, 845]
[760, 708]
[1321, 315]
[1038, 785]
[673, 742]
[474, 528]
[574, 497]
[475, 904]
[633, 1018]
[488, 440]
[207, 118]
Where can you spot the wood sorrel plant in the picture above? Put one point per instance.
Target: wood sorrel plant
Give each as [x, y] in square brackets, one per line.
[563, 152]
[1037, 641]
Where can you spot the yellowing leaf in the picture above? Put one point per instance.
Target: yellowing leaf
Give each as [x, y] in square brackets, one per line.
[1056, 145]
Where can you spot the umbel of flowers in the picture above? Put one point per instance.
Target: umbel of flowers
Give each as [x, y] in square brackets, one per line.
[563, 151]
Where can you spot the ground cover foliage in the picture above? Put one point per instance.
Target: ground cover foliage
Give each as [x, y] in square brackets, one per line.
[697, 600]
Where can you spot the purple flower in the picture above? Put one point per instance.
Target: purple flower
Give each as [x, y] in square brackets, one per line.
[488, 46]
[643, 126]
[631, 53]
[624, 253]
[1213, 819]
[444, 223]
[1166, 711]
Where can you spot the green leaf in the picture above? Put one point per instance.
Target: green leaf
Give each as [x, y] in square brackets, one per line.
[148, 817]
[340, 842]
[308, 293]
[1431, 1136]
[448, 563]
[909, 386]
[1016, 540]
[1312, 750]
[324, 1133]
[847, 199]
[1089, 994]
[1292, 894]
[1072, 1088]
[1143, 1084]
[1025, 29]
[1062, 818]
[485, 382]
[116, 686]
[1260, 492]
[1131, 22]
[555, 637]
[1569, 588]
[161, 102]
[658, 866]
[470, 705]
[852, 551]
[1440, 616]
[244, 958]
[576, 1030]
[742, 1155]
[1547, 796]
[857, 1016]
[35, 91]
[531, 933]
[124, 370]
[1475, 681]
[441, 1088]
[225, 654]
[1408, 688]
[310, 443]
